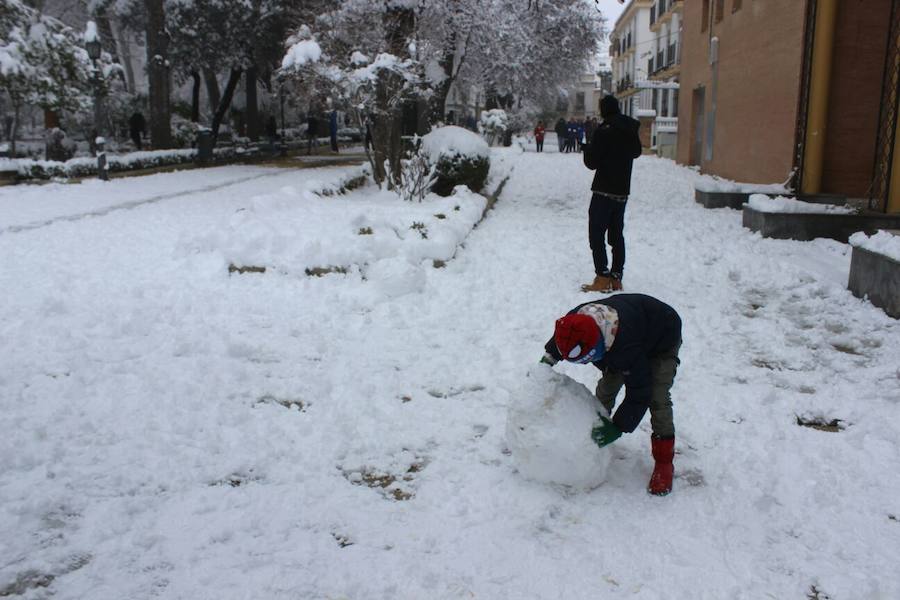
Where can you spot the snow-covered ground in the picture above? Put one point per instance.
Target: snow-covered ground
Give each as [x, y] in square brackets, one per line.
[173, 431]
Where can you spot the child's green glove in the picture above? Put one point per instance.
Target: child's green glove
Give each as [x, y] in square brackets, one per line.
[605, 432]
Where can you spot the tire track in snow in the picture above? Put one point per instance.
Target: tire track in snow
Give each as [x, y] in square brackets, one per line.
[132, 204]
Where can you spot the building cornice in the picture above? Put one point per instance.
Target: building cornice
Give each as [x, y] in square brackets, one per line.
[629, 11]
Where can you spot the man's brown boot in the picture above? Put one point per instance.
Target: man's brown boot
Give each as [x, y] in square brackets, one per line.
[600, 284]
[615, 282]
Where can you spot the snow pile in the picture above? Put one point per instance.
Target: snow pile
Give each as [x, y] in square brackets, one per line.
[708, 183]
[310, 229]
[503, 161]
[548, 430]
[90, 32]
[883, 242]
[301, 53]
[453, 141]
[780, 204]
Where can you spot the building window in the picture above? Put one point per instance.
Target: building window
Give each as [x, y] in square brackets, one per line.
[655, 101]
[675, 103]
[704, 22]
[720, 10]
[736, 6]
[664, 110]
[579, 101]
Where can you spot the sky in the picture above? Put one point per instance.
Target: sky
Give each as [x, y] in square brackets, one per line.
[611, 10]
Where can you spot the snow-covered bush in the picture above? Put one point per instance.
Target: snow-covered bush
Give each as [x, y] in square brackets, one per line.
[87, 166]
[493, 125]
[184, 132]
[459, 156]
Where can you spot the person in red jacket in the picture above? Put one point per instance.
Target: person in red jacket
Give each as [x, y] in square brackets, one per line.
[633, 339]
[539, 136]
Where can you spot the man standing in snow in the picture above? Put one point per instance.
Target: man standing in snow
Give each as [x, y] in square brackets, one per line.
[137, 126]
[634, 340]
[333, 129]
[610, 153]
[312, 131]
[560, 130]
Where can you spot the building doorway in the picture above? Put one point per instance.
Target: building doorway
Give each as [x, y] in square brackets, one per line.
[698, 118]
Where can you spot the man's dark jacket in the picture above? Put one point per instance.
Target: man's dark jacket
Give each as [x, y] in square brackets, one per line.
[613, 148]
[647, 328]
[560, 128]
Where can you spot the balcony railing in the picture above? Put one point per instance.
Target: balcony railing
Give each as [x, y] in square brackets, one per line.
[624, 84]
[666, 124]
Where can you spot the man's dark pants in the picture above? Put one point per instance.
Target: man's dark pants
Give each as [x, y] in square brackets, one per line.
[606, 221]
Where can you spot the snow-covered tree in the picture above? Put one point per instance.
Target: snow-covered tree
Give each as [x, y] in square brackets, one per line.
[368, 64]
[43, 62]
[387, 53]
[240, 37]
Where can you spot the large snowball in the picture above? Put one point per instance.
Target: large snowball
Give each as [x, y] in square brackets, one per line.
[548, 430]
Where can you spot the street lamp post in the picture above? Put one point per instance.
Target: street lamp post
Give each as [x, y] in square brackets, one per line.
[283, 141]
[94, 50]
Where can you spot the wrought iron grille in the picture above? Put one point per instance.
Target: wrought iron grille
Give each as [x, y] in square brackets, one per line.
[809, 36]
[887, 118]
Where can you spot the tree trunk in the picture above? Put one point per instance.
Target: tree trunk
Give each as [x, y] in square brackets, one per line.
[195, 97]
[233, 78]
[252, 106]
[124, 51]
[438, 101]
[399, 24]
[213, 95]
[381, 133]
[158, 68]
[14, 131]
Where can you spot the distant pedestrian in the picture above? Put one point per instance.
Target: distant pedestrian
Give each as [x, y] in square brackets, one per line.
[539, 136]
[610, 154]
[137, 126]
[571, 133]
[579, 134]
[367, 141]
[312, 132]
[560, 130]
[333, 129]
